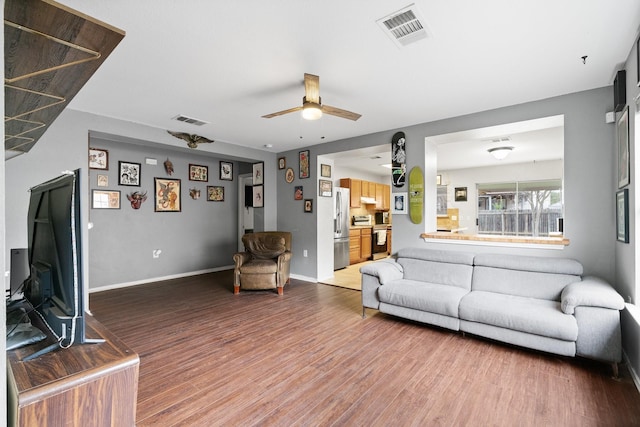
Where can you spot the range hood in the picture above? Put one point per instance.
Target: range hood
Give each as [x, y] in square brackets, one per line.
[368, 200]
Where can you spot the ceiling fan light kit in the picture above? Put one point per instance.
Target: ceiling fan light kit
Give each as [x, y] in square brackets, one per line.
[500, 152]
[311, 110]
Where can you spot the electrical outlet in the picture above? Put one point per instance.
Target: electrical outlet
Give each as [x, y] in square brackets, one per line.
[304, 253]
[156, 253]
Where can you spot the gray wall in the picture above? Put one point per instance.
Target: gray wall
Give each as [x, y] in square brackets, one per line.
[64, 147]
[202, 236]
[588, 165]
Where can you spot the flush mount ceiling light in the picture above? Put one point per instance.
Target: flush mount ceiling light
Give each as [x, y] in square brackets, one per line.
[311, 110]
[500, 152]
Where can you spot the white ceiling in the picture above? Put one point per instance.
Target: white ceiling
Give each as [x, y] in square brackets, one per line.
[230, 62]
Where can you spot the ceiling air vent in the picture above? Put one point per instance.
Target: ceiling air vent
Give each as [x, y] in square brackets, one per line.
[405, 26]
[189, 120]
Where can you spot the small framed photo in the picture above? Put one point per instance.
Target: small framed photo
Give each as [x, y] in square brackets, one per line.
[325, 188]
[103, 180]
[198, 173]
[105, 199]
[304, 164]
[297, 192]
[399, 203]
[258, 196]
[308, 205]
[461, 194]
[167, 195]
[282, 163]
[258, 173]
[622, 215]
[325, 171]
[129, 173]
[289, 175]
[215, 193]
[226, 171]
[98, 159]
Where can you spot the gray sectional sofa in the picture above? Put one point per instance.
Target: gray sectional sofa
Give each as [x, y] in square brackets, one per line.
[535, 302]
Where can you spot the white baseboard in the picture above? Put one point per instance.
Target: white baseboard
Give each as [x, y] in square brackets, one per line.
[158, 279]
[305, 278]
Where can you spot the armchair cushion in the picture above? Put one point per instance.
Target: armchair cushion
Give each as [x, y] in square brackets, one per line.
[264, 247]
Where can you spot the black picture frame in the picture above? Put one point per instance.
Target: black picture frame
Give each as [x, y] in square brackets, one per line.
[226, 171]
[622, 215]
[305, 164]
[461, 194]
[308, 205]
[624, 161]
[198, 173]
[215, 193]
[129, 173]
[258, 173]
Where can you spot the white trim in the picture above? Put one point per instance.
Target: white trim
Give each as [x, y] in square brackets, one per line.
[634, 312]
[304, 278]
[158, 279]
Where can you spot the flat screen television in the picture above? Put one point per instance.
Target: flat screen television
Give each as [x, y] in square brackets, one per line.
[55, 284]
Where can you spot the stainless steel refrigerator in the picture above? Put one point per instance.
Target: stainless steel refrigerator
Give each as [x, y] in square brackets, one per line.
[341, 228]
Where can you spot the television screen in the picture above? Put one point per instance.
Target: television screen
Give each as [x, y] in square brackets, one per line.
[55, 285]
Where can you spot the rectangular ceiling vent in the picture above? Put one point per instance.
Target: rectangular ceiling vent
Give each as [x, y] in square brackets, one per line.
[405, 26]
[189, 120]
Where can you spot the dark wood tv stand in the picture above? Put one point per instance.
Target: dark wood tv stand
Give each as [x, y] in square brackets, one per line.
[84, 385]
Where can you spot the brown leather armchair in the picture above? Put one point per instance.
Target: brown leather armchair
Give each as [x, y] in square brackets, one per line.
[265, 263]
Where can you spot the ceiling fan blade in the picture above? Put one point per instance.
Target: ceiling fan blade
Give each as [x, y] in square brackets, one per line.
[338, 112]
[280, 113]
[312, 88]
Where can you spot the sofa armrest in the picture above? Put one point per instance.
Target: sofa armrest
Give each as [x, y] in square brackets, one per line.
[385, 270]
[590, 292]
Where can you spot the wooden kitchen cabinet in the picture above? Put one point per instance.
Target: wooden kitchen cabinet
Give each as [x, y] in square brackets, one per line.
[360, 240]
[386, 197]
[366, 189]
[365, 244]
[354, 246]
[355, 190]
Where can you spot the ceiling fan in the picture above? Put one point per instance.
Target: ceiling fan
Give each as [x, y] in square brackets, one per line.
[312, 107]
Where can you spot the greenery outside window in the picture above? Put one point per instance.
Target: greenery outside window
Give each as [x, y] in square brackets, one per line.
[528, 208]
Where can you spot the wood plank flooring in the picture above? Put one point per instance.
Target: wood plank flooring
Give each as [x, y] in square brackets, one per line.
[209, 358]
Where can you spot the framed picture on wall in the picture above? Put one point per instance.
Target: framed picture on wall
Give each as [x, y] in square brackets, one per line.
[98, 159]
[226, 171]
[129, 173]
[167, 193]
[103, 180]
[258, 173]
[325, 171]
[198, 173]
[215, 193]
[308, 205]
[282, 162]
[622, 215]
[461, 194]
[399, 203]
[325, 188]
[105, 199]
[623, 148]
[304, 164]
[258, 196]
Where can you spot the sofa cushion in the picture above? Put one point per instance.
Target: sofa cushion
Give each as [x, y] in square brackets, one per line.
[531, 315]
[453, 257]
[259, 266]
[430, 297]
[530, 284]
[530, 263]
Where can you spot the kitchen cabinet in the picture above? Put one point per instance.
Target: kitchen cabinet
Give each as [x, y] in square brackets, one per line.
[355, 190]
[365, 244]
[366, 189]
[354, 246]
[383, 196]
[360, 244]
